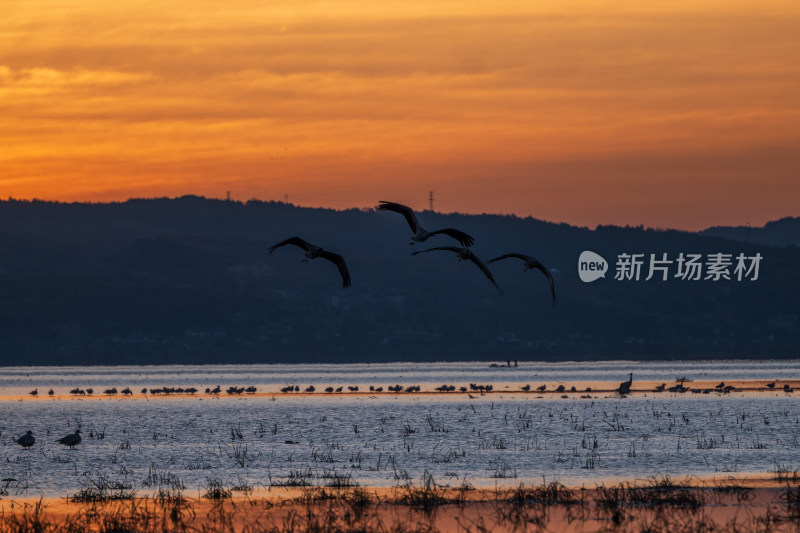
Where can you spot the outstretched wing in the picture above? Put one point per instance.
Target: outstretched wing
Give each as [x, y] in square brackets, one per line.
[404, 210]
[506, 256]
[338, 260]
[485, 269]
[460, 236]
[549, 276]
[448, 248]
[297, 241]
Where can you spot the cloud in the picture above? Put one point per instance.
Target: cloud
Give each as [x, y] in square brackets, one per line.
[329, 98]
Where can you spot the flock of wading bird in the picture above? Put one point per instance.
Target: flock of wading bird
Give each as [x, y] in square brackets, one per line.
[420, 234]
[27, 440]
[624, 388]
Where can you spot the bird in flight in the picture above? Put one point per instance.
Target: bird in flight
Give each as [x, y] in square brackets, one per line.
[465, 254]
[530, 264]
[420, 233]
[312, 252]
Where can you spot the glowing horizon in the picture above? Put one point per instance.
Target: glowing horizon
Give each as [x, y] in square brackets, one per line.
[671, 114]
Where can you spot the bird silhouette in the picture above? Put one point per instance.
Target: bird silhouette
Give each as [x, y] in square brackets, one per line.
[465, 254]
[27, 440]
[530, 264]
[681, 389]
[526, 388]
[34, 392]
[420, 233]
[625, 386]
[313, 252]
[71, 440]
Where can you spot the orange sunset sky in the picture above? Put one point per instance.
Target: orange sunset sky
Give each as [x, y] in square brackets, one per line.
[663, 113]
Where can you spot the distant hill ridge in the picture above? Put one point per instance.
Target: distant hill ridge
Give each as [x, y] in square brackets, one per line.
[782, 232]
[189, 280]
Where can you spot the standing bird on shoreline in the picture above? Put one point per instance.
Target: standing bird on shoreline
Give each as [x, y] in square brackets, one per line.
[420, 233]
[625, 386]
[71, 440]
[530, 264]
[465, 254]
[27, 440]
[312, 252]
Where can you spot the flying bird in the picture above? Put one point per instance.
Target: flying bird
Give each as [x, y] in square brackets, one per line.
[27, 440]
[530, 264]
[312, 252]
[71, 440]
[420, 233]
[465, 254]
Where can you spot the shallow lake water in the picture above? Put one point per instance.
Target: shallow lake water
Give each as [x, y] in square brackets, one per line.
[387, 440]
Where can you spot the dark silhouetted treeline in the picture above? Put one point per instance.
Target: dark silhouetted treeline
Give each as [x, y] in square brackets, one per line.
[189, 280]
[783, 232]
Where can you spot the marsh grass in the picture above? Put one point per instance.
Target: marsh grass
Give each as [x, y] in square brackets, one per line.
[103, 489]
[783, 472]
[658, 505]
[425, 497]
[658, 492]
[216, 490]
